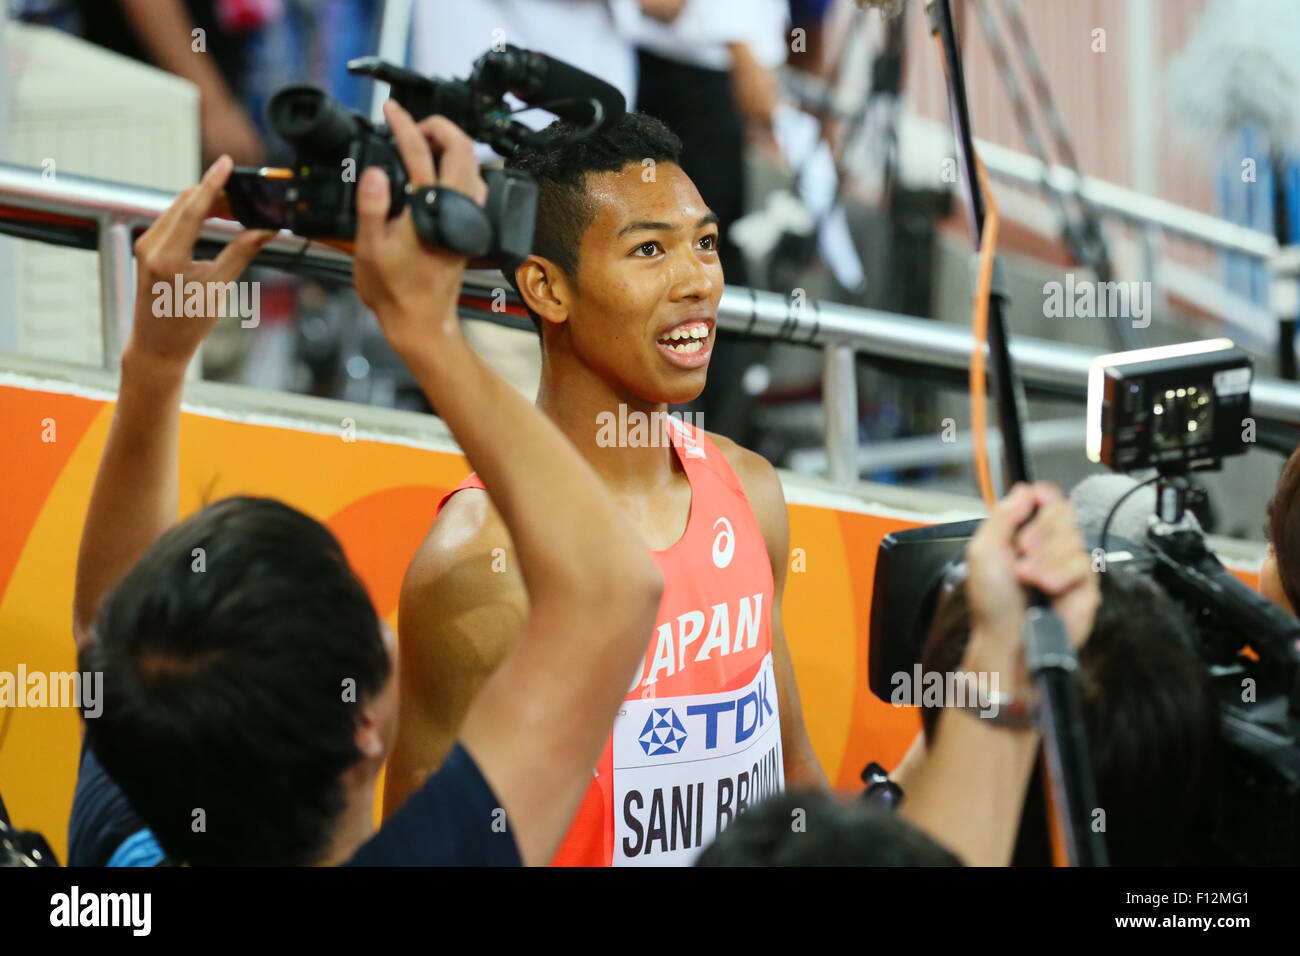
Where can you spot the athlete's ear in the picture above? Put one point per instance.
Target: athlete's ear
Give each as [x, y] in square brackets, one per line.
[545, 288]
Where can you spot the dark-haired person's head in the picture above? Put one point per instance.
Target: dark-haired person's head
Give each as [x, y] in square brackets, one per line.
[1279, 576]
[1149, 715]
[249, 688]
[625, 251]
[807, 828]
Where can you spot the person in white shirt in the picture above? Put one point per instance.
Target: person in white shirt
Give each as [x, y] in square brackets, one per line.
[447, 36]
[707, 70]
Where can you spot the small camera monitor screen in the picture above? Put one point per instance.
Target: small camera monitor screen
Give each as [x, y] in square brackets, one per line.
[1175, 407]
[259, 198]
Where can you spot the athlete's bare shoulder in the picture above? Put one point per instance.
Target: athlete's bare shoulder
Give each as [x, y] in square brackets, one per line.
[462, 605]
[467, 524]
[466, 559]
[762, 487]
[760, 480]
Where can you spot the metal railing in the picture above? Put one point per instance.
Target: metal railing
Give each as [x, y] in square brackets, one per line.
[1137, 209]
[843, 332]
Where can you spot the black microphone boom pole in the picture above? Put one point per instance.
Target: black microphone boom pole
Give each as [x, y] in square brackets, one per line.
[1048, 653]
[1008, 395]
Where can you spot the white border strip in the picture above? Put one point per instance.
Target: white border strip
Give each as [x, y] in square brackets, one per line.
[881, 501]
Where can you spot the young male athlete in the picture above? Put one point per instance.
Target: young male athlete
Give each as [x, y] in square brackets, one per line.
[624, 285]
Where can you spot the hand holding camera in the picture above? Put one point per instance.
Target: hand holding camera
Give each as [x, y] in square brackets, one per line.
[168, 328]
[1017, 548]
[411, 286]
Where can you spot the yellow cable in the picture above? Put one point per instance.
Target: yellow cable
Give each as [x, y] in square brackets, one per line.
[980, 331]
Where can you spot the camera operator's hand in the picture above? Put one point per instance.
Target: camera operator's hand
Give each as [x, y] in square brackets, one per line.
[163, 329]
[1048, 553]
[968, 787]
[411, 287]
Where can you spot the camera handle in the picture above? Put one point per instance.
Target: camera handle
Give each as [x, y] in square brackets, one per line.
[448, 219]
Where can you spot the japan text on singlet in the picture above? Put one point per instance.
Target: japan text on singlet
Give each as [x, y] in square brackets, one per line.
[699, 737]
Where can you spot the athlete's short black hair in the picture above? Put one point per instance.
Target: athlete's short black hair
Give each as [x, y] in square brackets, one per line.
[227, 652]
[564, 210]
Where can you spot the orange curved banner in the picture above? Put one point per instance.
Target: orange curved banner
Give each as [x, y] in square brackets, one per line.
[379, 498]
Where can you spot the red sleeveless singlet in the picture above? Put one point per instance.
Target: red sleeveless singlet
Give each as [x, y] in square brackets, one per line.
[698, 738]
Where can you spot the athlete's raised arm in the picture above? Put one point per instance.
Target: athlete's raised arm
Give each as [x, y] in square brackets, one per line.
[537, 726]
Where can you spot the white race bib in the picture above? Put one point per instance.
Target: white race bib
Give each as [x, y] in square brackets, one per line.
[686, 767]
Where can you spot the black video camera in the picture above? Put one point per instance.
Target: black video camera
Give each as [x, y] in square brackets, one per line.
[1176, 409]
[315, 197]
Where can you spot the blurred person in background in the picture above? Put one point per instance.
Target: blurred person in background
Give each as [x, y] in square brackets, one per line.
[312, 42]
[254, 46]
[810, 17]
[707, 69]
[162, 32]
[237, 52]
[51, 13]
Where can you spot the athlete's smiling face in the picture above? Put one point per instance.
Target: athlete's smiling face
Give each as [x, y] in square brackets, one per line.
[644, 310]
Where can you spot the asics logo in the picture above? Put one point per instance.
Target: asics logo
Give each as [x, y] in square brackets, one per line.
[724, 545]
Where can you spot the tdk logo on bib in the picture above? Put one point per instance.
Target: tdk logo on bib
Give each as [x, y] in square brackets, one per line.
[750, 711]
[697, 763]
[663, 733]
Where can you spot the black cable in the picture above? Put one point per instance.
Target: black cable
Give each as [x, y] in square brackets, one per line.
[1105, 525]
